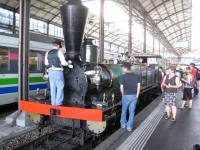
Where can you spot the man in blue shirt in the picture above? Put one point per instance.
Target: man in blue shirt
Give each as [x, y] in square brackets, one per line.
[130, 90]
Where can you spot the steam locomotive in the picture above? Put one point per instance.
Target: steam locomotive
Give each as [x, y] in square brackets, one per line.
[92, 99]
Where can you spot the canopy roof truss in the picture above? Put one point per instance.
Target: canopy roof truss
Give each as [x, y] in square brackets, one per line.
[168, 20]
[173, 17]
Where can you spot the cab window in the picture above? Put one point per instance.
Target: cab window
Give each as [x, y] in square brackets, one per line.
[35, 61]
[4, 61]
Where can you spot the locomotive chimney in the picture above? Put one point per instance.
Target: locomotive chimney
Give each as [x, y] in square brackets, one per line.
[73, 16]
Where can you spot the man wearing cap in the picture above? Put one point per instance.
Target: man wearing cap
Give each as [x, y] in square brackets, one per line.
[130, 90]
[54, 61]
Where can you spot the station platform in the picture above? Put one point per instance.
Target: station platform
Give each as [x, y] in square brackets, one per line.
[179, 136]
[153, 132]
[118, 138]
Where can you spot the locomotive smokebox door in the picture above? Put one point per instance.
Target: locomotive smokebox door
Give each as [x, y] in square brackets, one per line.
[75, 86]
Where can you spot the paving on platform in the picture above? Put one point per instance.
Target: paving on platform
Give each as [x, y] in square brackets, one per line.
[166, 135]
[179, 136]
[117, 138]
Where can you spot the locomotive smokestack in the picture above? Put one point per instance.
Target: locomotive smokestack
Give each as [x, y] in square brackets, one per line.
[74, 16]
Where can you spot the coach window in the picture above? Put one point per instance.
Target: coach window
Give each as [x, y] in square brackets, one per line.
[4, 62]
[35, 61]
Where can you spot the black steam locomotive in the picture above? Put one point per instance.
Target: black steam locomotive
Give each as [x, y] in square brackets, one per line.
[92, 98]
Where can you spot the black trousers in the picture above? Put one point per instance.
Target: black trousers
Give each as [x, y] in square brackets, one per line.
[196, 91]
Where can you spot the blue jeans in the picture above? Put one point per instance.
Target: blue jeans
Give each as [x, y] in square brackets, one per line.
[128, 102]
[56, 79]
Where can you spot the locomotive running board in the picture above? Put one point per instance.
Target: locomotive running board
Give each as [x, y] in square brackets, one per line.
[64, 112]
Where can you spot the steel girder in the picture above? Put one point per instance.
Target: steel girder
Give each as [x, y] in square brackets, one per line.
[173, 14]
[138, 6]
[187, 27]
[176, 23]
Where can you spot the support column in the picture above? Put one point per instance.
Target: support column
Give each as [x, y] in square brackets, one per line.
[159, 46]
[101, 32]
[168, 54]
[153, 41]
[161, 52]
[18, 117]
[164, 52]
[47, 28]
[145, 32]
[130, 27]
[14, 22]
[24, 50]
[190, 45]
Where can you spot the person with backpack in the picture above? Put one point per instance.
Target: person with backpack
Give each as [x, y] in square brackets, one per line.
[188, 86]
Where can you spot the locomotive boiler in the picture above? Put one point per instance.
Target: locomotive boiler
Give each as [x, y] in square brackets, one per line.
[92, 99]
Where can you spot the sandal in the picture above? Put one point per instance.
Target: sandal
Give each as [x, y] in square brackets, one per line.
[180, 108]
[166, 117]
[173, 120]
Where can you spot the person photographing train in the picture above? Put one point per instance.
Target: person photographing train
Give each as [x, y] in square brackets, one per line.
[54, 61]
[130, 90]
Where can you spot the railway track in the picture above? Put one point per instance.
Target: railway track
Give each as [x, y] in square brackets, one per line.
[52, 138]
[26, 137]
[58, 140]
[48, 141]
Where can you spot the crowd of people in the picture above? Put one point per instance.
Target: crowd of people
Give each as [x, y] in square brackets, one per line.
[179, 87]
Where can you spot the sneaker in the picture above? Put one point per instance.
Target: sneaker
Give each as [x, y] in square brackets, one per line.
[129, 130]
[123, 126]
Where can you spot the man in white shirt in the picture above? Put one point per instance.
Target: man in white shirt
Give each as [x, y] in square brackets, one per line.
[55, 60]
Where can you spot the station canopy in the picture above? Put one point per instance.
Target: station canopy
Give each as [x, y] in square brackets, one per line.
[174, 18]
[168, 20]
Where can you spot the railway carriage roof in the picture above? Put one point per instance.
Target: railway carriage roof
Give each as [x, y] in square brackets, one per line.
[168, 20]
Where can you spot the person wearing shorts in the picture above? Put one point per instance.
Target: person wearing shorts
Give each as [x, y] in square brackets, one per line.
[187, 91]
